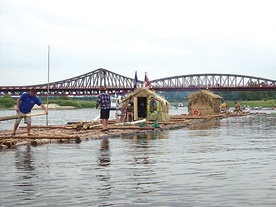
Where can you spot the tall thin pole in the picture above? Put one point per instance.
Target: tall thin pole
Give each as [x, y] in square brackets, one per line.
[48, 91]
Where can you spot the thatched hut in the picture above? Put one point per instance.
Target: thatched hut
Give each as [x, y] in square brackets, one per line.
[143, 99]
[204, 103]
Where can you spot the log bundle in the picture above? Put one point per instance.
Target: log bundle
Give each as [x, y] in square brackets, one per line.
[82, 125]
[7, 143]
[78, 131]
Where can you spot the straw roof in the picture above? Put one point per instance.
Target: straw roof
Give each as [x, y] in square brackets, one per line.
[144, 92]
[204, 92]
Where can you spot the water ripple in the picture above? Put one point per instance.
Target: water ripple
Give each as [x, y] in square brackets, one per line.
[230, 162]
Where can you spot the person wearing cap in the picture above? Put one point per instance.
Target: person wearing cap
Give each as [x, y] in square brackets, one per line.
[24, 105]
[104, 101]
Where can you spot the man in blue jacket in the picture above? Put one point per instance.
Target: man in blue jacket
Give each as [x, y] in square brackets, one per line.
[24, 105]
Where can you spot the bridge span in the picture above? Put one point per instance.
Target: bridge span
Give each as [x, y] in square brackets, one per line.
[88, 84]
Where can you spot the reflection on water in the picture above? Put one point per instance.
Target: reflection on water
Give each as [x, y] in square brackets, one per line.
[103, 176]
[25, 171]
[24, 162]
[104, 157]
[227, 162]
[208, 124]
[157, 134]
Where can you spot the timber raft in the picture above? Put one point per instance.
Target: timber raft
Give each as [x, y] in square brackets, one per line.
[75, 132]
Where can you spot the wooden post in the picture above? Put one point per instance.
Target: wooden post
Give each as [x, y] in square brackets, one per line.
[48, 83]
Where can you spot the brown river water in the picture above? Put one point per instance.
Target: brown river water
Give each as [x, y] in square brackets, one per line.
[227, 162]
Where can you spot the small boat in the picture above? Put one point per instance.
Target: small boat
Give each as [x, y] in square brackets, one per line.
[257, 108]
[114, 101]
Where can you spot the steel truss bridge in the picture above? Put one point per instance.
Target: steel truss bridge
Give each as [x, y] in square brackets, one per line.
[89, 83]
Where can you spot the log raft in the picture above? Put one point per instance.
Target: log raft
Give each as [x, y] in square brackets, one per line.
[78, 131]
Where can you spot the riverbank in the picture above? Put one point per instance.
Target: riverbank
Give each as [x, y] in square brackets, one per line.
[80, 131]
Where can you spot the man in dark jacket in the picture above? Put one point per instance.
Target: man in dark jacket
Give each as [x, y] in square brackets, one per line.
[104, 102]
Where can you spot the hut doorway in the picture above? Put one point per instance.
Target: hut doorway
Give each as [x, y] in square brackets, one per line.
[142, 107]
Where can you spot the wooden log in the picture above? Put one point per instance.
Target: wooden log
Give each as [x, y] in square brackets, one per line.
[77, 125]
[5, 118]
[94, 126]
[72, 122]
[3, 146]
[46, 127]
[69, 127]
[37, 142]
[43, 137]
[131, 123]
[95, 120]
[85, 126]
[10, 143]
[40, 142]
[90, 125]
[112, 121]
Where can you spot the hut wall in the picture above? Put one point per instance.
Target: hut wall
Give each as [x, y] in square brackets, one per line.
[205, 103]
[163, 104]
[163, 112]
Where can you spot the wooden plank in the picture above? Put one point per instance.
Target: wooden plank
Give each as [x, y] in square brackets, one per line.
[5, 118]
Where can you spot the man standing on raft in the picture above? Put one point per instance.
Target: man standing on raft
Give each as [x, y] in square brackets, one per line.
[104, 101]
[24, 105]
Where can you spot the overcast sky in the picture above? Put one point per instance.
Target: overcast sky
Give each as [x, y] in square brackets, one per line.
[162, 37]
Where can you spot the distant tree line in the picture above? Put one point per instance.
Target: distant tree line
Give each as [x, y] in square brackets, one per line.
[174, 97]
[7, 101]
[248, 95]
[180, 96]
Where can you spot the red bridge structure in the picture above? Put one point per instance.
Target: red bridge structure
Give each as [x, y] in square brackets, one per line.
[89, 83]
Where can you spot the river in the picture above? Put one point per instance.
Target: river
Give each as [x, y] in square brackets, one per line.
[226, 162]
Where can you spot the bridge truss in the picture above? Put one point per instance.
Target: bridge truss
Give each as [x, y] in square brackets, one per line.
[214, 82]
[89, 83]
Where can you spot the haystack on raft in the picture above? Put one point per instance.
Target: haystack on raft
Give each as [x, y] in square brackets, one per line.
[204, 103]
[142, 98]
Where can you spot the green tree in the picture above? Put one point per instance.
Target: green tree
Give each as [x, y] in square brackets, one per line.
[6, 101]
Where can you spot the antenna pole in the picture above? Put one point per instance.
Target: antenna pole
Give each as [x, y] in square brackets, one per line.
[48, 91]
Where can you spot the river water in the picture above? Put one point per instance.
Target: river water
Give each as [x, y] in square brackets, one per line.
[227, 162]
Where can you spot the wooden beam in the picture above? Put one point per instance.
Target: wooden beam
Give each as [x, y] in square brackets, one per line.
[5, 118]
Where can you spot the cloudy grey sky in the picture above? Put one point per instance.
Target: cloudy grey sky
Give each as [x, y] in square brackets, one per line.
[162, 37]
